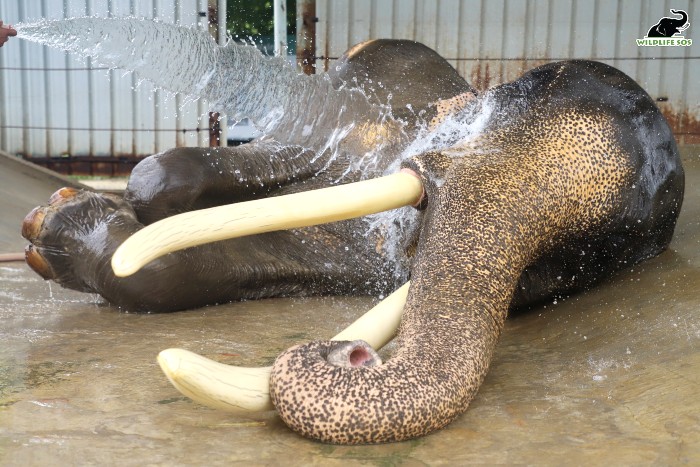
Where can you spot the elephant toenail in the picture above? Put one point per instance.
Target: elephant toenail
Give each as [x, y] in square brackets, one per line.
[353, 354]
[37, 262]
[31, 226]
[62, 195]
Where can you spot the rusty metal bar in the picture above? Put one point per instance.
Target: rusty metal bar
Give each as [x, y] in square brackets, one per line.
[214, 117]
[306, 35]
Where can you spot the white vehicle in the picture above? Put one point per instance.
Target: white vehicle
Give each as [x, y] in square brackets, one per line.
[240, 132]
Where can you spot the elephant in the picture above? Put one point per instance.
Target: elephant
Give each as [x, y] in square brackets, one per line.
[568, 174]
[668, 27]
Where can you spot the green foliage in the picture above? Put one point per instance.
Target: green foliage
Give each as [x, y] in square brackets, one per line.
[254, 17]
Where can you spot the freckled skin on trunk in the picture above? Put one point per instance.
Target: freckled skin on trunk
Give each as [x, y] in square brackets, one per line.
[574, 158]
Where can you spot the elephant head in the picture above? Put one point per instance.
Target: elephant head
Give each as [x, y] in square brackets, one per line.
[668, 27]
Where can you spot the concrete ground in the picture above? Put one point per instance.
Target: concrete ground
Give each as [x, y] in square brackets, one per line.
[608, 377]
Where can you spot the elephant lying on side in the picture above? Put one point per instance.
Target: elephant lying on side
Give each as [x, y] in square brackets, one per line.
[571, 174]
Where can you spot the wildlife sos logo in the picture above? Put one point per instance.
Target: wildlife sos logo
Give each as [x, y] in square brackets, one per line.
[667, 32]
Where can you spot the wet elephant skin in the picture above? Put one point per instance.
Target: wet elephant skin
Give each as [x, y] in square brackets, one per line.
[574, 176]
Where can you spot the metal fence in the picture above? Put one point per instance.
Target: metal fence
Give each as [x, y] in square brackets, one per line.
[55, 104]
[494, 41]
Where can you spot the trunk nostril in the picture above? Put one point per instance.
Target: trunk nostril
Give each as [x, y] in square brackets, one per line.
[359, 356]
[353, 354]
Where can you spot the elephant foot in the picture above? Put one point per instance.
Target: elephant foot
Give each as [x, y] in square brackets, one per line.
[73, 237]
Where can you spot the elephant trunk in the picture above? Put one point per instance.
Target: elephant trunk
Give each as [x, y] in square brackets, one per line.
[461, 286]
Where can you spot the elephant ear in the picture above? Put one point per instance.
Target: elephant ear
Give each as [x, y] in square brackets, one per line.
[401, 72]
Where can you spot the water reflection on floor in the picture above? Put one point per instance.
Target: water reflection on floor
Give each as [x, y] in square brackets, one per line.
[610, 376]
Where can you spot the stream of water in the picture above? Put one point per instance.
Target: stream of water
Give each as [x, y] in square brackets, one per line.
[235, 79]
[239, 81]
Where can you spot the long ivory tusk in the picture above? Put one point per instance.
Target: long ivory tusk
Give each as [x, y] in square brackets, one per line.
[245, 390]
[265, 215]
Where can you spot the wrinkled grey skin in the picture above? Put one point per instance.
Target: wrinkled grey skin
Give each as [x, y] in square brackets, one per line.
[574, 176]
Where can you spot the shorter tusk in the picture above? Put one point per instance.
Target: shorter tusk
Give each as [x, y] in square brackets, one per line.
[265, 215]
[246, 390]
[219, 386]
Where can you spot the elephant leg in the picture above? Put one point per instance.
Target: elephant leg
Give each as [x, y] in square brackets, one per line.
[184, 179]
[74, 237]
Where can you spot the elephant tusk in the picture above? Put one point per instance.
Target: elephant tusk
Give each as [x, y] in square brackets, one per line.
[246, 390]
[265, 215]
[219, 386]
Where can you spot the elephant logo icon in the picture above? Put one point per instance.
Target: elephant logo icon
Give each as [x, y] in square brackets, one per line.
[670, 27]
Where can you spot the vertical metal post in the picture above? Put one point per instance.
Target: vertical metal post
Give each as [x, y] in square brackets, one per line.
[179, 135]
[306, 35]
[157, 97]
[222, 39]
[203, 23]
[214, 117]
[279, 15]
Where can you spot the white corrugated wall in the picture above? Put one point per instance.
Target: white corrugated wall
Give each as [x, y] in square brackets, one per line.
[54, 104]
[494, 41]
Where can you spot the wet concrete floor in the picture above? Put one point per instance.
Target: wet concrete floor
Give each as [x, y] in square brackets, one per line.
[606, 377]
